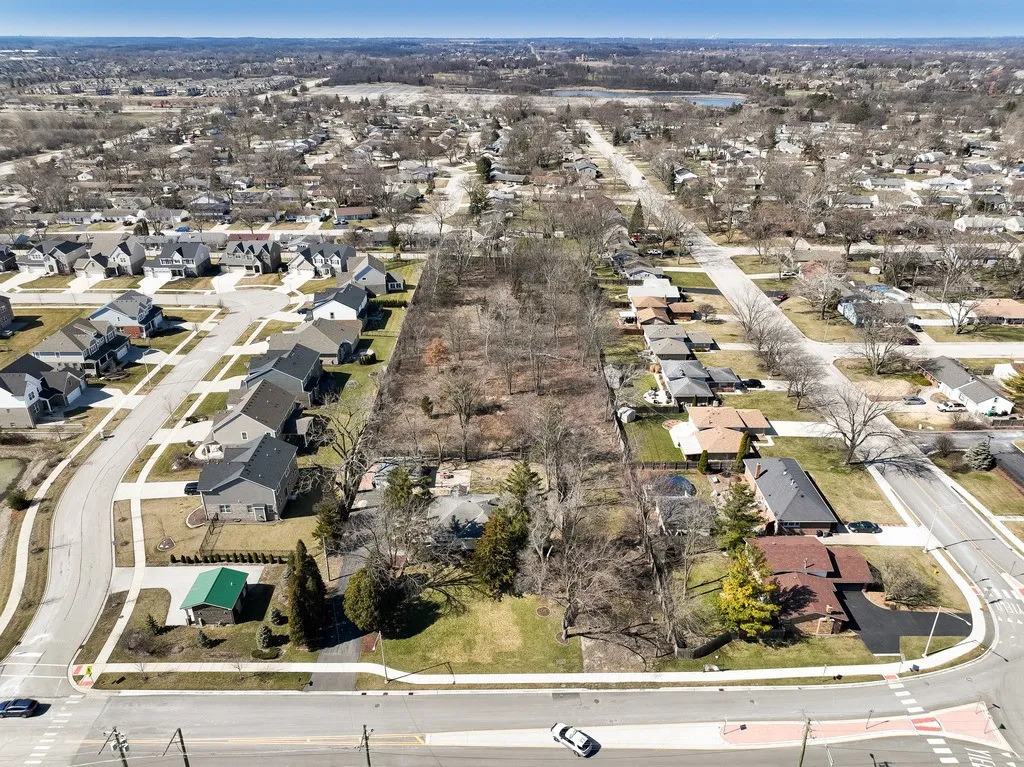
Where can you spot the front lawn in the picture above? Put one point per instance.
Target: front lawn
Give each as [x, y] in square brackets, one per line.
[162, 471]
[857, 370]
[239, 367]
[272, 280]
[684, 280]
[273, 327]
[49, 282]
[743, 364]
[309, 287]
[853, 492]
[650, 441]
[488, 637]
[165, 518]
[818, 652]
[949, 596]
[993, 489]
[167, 340]
[774, 405]
[188, 283]
[212, 404]
[833, 329]
[126, 282]
[976, 333]
[32, 326]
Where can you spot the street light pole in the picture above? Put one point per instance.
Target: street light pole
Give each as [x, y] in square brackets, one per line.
[931, 633]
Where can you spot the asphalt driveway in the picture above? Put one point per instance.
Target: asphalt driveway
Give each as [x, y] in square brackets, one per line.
[881, 629]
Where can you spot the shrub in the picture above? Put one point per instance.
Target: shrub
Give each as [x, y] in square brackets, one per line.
[151, 625]
[17, 500]
[264, 638]
[203, 642]
[979, 457]
[277, 617]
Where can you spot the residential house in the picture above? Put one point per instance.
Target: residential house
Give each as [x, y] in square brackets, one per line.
[216, 598]
[125, 258]
[961, 385]
[348, 302]
[179, 259]
[251, 483]
[252, 256]
[30, 388]
[322, 259]
[296, 370]
[6, 313]
[370, 273]
[355, 213]
[333, 340]
[264, 409]
[85, 347]
[8, 261]
[860, 307]
[1000, 311]
[688, 382]
[52, 257]
[787, 496]
[718, 430]
[462, 517]
[133, 314]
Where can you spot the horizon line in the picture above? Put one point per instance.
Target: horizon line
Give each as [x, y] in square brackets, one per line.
[456, 38]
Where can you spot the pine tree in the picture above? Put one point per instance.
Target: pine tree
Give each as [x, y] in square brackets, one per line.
[979, 457]
[746, 602]
[637, 223]
[1014, 386]
[307, 598]
[427, 406]
[738, 520]
[702, 463]
[151, 625]
[264, 637]
[496, 556]
[203, 642]
[328, 518]
[521, 486]
[742, 453]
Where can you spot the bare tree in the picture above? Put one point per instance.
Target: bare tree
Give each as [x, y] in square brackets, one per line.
[961, 301]
[462, 393]
[805, 373]
[441, 208]
[881, 345]
[341, 427]
[856, 421]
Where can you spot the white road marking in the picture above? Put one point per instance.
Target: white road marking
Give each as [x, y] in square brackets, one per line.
[949, 760]
[936, 741]
[903, 695]
[908, 702]
[915, 710]
[943, 750]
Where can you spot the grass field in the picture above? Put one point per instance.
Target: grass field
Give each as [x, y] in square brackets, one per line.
[188, 283]
[162, 471]
[203, 681]
[124, 554]
[857, 370]
[126, 282]
[949, 595]
[213, 403]
[104, 625]
[843, 649]
[853, 492]
[833, 329]
[165, 518]
[488, 637]
[32, 326]
[48, 282]
[683, 280]
[976, 333]
[774, 405]
[650, 442]
[993, 489]
[743, 364]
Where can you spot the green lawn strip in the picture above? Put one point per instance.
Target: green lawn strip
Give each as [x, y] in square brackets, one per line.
[124, 553]
[650, 442]
[743, 364]
[174, 315]
[166, 341]
[179, 412]
[273, 327]
[111, 611]
[753, 264]
[135, 469]
[162, 471]
[976, 333]
[212, 404]
[118, 283]
[309, 287]
[857, 370]
[819, 652]
[488, 637]
[949, 596]
[239, 367]
[993, 489]
[188, 284]
[685, 280]
[50, 281]
[853, 492]
[833, 329]
[271, 280]
[774, 405]
[263, 680]
[913, 647]
[39, 323]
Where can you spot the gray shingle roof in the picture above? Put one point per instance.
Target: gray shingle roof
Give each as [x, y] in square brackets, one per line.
[348, 295]
[789, 492]
[296, 362]
[323, 336]
[265, 462]
[266, 404]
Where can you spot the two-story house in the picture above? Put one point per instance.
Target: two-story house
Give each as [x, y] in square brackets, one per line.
[133, 314]
[296, 370]
[126, 258]
[179, 259]
[348, 302]
[369, 273]
[85, 347]
[251, 483]
[52, 257]
[333, 340]
[322, 259]
[6, 313]
[252, 257]
[264, 409]
[30, 388]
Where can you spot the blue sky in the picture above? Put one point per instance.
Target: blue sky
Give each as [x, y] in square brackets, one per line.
[514, 18]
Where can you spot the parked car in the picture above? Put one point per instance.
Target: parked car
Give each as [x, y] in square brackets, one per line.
[652, 252]
[909, 340]
[7, 333]
[950, 407]
[787, 275]
[578, 742]
[191, 488]
[913, 401]
[914, 326]
[196, 418]
[23, 707]
[753, 383]
[864, 526]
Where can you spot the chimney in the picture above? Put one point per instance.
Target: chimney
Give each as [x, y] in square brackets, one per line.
[757, 470]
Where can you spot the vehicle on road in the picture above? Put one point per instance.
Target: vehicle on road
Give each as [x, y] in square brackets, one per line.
[913, 401]
[863, 526]
[578, 742]
[787, 275]
[950, 407]
[191, 488]
[909, 340]
[652, 252]
[22, 707]
[914, 326]
[753, 383]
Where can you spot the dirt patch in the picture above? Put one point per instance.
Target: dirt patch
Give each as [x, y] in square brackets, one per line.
[607, 656]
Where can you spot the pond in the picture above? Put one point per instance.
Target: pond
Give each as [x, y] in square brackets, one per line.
[705, 99]
[10, 468]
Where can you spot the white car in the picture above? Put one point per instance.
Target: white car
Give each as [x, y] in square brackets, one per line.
[949, 407]
[578, 742]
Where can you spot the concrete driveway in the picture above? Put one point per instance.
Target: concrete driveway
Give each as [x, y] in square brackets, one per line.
[881, 629]
[179, 579]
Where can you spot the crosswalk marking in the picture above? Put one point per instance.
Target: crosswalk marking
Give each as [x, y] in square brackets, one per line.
[936, 741]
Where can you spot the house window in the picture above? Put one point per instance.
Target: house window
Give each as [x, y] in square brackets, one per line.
[791, 525]
[245, 436]
[224, 508]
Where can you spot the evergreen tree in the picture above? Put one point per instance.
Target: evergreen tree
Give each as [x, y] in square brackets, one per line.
[637, 223]
[746, 602]
[1014, 386]
[375, 599]
[738, 520]
[521, 486]
[264, 637]
[203, 642]
[496, 556]
[151, 625]
[979, 457]
[307, 597]
[276, 616]
[742, 453]
[483, 169]
[672, 179]
[702, 463]
[328, 518]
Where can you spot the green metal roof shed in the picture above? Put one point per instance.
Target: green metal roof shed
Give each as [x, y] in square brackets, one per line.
[218, 588]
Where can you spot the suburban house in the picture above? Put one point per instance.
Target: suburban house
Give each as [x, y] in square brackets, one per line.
[462, 516]
[1000, 311]
[789, 499]
[296, 370]
[690, 383]
[355, 213]
[860, 307]
[127, 257]
[251, 483]
[960, 384]
[6, 313]
[179, 259]
[216, 598]
[369, 273]
[52, 257]
[718, 430]
[133, 314]
[252, 256]
[85, 347]
[348, 302]
[29, 389]
[322, 259]
[811, 578]
[333, 340]
[8, 261]
[264, 409]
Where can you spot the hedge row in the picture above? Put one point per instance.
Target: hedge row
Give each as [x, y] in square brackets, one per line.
[240, 557]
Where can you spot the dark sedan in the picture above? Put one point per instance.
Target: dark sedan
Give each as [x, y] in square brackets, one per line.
[863, 527]
[23, 707]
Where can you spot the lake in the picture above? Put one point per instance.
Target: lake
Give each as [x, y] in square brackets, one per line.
[10, 468]
[705, 99]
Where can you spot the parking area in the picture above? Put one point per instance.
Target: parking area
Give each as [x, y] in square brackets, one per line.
[881, 629]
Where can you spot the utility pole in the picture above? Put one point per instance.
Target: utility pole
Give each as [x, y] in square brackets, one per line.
[365, 743]
[181, 746]
[803, 743]
[118, 745]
